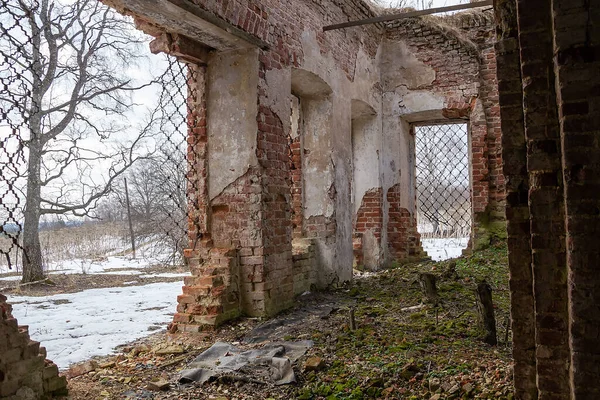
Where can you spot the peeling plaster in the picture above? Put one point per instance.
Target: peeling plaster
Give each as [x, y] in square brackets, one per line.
[400, 67]
[232, 92]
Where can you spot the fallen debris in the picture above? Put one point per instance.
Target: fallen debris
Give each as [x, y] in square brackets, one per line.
[271, 363]
[314, 364]
[82, 369]
[159, 385]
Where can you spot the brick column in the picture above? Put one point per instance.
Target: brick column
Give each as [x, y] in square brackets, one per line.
[546, 200]
[211, 295]
[576, 66]
[517, 207]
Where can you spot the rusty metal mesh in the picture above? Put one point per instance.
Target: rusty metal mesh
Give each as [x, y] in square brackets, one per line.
[442, 178]
[15, 79]
[170, 167]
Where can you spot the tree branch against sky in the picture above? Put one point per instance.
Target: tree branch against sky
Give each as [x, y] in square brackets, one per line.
[74, 91]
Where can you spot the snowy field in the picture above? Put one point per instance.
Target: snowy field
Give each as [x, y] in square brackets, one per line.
[444, 249]
[76, 326]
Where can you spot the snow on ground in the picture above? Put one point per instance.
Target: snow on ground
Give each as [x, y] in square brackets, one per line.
[76, 326]
[167, 275]
[443, 249]
[98, 266]
[11, 278]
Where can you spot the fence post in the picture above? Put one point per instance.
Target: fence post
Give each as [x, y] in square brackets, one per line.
[129, 219]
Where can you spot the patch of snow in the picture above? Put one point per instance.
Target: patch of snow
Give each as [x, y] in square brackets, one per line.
[167, 275]
[124, 272]
[76, 326]
[11, 278]
[444, 249]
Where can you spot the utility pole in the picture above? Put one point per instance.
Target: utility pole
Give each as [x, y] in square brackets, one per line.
[129, 219]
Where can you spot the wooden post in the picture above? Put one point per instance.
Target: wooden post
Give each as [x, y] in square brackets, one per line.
[129, 219]
[427, 282]
[485, 306]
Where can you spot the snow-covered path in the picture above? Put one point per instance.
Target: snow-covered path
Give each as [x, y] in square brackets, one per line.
[76, 326]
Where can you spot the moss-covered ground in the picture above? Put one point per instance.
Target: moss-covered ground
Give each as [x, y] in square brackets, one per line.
[434, 352]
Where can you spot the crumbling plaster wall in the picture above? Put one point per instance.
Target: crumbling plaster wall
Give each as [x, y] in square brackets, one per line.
[443, 69]
[254, 57]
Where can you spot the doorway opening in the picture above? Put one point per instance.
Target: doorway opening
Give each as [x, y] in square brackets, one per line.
[443, 188]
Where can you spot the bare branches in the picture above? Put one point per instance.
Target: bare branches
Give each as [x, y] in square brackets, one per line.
[67, 73]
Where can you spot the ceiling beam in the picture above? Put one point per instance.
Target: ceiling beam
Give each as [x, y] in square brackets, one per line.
[394, 17]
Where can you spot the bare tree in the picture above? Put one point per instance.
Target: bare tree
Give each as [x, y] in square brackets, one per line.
[159, 202]
[73, 95]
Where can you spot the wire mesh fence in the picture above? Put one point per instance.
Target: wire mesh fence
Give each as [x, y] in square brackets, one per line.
[443, 183]
[78, 115]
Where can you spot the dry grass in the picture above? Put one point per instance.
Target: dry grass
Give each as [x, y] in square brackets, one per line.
[87, 241]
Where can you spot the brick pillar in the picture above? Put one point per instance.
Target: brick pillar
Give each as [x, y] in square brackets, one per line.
[517, 207]
[369, 221]
[546, 203]
[276, 211]
[404, 242]
[577, 65]
[211, 295]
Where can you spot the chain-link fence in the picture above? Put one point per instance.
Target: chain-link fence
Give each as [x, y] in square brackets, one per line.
[443, 184]
[82, 109]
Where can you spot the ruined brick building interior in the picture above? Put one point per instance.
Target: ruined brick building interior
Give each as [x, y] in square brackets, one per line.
[303, 146]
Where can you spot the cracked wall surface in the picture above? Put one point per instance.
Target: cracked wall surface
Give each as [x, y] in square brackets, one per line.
[307, 141]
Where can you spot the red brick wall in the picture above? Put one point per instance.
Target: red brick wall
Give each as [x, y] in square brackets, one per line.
[576, 65]
[368, 218]
[272, 152]
[403, 238]
[460, 50]
[23, 363]
[517, 205]
[296, 177]
[553, 166]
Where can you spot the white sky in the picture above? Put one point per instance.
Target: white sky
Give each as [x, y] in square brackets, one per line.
[436, 3]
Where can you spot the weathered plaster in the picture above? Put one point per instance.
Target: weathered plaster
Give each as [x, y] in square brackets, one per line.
[232, 86]
[400, 67]
[171, 18]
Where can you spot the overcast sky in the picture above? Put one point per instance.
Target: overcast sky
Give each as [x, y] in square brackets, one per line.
[436, 3]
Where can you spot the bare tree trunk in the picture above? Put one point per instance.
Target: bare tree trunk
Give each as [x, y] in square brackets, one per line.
[32, 252]
[486, 313]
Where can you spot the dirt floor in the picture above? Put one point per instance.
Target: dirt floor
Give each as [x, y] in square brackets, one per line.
[425, 352]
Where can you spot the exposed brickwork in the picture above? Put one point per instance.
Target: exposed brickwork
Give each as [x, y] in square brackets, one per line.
[272, 152]
[517, 207]
[460, 49]
[546, 204]
[296, 177]
[211, 295]
[404, 242]
[368, 218]
[277, 22]
[576, 66]
[305, 268]
[554, 165]
[24, 370]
